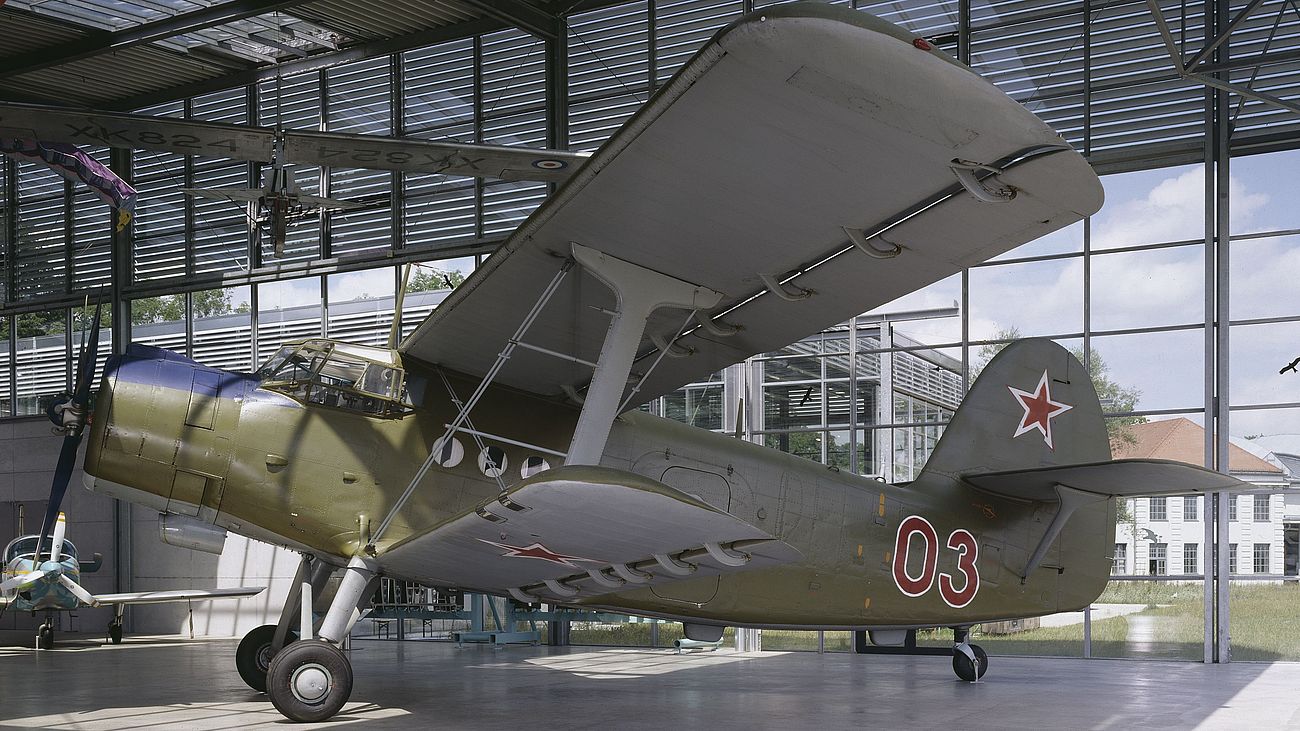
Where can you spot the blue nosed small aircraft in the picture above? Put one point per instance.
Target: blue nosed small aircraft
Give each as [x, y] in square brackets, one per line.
[30, 583]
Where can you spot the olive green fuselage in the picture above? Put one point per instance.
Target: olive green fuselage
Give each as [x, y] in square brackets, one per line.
[318, 478]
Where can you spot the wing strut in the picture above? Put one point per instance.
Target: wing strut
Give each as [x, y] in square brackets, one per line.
[463, 415]
[1070, 499]
[640, 292]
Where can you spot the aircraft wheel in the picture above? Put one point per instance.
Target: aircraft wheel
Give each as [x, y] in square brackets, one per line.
[45, 637]
[115, 633]
[309, 680]
[968, 669]
[253, 658]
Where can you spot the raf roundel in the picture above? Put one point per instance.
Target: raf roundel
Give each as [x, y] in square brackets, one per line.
[550, 164]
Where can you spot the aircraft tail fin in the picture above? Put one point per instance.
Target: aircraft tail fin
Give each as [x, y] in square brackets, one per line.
[1032, 407]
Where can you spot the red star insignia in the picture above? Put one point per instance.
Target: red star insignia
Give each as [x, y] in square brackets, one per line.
[1040, 409]
[537, 550]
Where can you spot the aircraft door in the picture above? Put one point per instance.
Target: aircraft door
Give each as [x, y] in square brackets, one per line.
[710, 487]
[715, 490]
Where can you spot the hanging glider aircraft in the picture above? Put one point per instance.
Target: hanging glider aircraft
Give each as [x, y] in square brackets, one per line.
[51, 581]
[809, 163]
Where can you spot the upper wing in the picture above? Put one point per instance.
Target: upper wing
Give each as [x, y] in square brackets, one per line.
[239, 142]
[178, 595]
[1120, 478]
[334, 203]
[794, 130]
[572, 522]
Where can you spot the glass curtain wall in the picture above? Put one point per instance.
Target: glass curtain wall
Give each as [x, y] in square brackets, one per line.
[1126, 290]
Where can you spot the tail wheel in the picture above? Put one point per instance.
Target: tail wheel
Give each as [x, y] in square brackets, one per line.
[115, 633]
[45, 637]
[253, 658]
[309, 680]
[969, 669]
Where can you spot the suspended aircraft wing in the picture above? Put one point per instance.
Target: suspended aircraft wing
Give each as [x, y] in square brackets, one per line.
[178, 595]
[811, 146]
[239, 142]
[1118, 478]
[234, 195]
[584, 531]
[316, 201]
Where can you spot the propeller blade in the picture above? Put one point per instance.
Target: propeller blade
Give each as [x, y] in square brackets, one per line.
[60, 530]
[68, 453]
[25, 580]
[81, 594]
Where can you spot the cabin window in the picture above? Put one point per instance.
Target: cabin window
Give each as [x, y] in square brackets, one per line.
[492, 461]
[339, 375]
[532, 466]
[448, 454]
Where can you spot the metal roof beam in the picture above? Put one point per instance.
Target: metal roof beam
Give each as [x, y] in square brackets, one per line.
[520, 14]
[104, 41]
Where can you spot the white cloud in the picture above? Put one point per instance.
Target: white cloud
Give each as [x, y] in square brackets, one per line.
[1173, 210]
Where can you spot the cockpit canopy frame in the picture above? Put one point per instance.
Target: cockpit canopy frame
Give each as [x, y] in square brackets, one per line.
[331, 373]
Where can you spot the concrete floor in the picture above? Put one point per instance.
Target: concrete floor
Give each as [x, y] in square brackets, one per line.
[173, 683]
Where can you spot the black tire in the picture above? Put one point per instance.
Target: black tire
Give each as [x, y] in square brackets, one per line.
[45, 637]
[115, 633]
[309, 680]
[968, 670]
[253, 658]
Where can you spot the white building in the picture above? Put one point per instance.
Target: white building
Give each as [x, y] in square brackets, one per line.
[1166, 536]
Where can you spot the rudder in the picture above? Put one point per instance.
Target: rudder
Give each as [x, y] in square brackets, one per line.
[1033, 405]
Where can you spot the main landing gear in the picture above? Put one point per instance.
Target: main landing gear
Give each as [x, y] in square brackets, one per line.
[309, 679]
[115, 625]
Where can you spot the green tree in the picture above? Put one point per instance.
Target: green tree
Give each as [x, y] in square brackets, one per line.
[171, 308]
[1114, 397]
[428, 279]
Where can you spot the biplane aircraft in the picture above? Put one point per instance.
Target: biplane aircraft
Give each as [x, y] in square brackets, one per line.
[809, 163]
[51, 582]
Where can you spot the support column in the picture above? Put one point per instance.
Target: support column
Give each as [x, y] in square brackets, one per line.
[640, 292]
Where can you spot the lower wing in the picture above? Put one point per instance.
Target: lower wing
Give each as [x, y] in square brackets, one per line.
[584, 531]
[178, 595]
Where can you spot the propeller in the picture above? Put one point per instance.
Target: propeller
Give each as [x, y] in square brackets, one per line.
[69, 417]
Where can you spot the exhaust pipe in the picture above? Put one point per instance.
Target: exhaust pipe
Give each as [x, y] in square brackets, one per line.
[185, 532]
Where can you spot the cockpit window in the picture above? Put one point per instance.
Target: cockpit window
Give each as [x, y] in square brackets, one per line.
[339, 375]
[24, 548]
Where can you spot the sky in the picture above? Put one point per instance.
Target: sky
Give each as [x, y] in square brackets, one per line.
[1158, 288]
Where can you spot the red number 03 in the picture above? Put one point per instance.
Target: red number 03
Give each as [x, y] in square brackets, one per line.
[959, 540]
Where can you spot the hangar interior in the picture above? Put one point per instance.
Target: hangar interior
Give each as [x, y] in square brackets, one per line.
[1179, 293]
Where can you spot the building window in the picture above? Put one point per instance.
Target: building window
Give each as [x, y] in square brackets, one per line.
[1262, 551]
[1119, 564]
[1190, 551]
[1232, 557]
[1189, 507]
[1156, 562]
[1158, 511]
[1232, 508]
[1261, 508]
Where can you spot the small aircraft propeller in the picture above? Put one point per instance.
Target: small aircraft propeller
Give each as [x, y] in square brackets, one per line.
[69, 417]
[43, 572]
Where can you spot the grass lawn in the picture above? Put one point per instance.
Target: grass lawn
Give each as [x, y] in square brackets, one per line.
[1265, 621]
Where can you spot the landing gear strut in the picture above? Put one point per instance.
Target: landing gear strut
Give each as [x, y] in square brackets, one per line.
[253, 658]
[115, 625]
[45, 636]
[311, 679]
[970, 662]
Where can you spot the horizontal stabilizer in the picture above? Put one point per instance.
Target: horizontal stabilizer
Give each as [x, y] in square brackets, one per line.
[178, 595]
[584, 531]
[1118, 478]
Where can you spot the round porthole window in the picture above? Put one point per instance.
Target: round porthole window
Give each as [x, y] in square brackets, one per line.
[532, 466]
[492, 461]
[449, 455]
